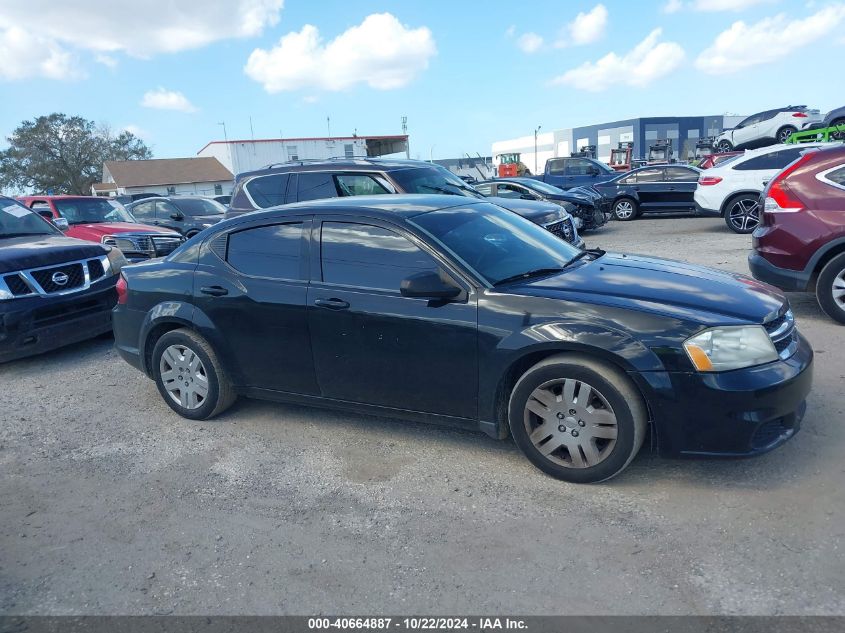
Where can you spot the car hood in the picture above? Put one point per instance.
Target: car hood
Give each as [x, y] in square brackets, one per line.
[208, 219]
[21, 253]
[575, 196]
[534, 210]
[113, 228]
[685, 290]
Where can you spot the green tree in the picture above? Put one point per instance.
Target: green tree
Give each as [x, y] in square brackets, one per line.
[63, 154]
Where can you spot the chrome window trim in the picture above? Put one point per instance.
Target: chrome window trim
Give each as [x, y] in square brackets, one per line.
[822, 176]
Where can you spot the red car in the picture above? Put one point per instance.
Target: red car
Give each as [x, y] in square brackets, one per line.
[711, 160]
[800, 243]
[107, 222]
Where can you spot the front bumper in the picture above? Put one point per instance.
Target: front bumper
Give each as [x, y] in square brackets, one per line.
[33, 325]
[731, 414]
[783, 278]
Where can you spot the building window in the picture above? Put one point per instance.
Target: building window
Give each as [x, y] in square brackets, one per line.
[171, 191]
[293, 154]
[218, 190]
[692, 134]
[348, 150]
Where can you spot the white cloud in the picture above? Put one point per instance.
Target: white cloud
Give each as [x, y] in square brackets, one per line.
[529, 42]
[586, 28]
[106, 60]
[380, 52]
[23, 55]
[742, 46]
[646, 62]
[672, 6]
[162, 99]
[725, 5]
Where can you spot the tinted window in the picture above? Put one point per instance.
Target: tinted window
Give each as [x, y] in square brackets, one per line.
[772, 160]
[200, 206]
[16, 219]
[556, 167]
[508, 190]
[268, 191]
[628, 180]
[315, 186]
[369, 256]
[164, 209]
[267, 251]
[143, 211]
[837, 176]
[680, 174]
[360, 185]
[650, 175]
[578, 167]
[432, 179]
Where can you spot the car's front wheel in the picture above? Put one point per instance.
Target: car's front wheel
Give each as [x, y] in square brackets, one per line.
[624, 209]
[724, 146]
[189, 375]
[742, 214]
[577, 419]
[830, 288]
[784, 133]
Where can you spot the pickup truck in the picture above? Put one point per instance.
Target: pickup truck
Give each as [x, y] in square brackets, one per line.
[567, 173]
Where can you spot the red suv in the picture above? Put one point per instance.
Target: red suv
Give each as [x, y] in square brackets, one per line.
[105, 221]
[800, 243]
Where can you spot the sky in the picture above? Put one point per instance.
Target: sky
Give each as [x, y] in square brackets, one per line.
[465, 74]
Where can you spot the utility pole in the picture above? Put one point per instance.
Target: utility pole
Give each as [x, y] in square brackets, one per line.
[405, 132]
[535, 148]
[225, 138]
[329, 126]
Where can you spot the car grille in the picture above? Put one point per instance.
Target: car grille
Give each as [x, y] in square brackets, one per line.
[17, 286]
[72, 272]
[783, 333]
[563, 229]
[771, 432]
[95, 269]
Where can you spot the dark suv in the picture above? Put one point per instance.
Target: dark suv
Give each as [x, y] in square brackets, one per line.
[54, 290]
[187, 214]
[800, 243]
[455, 310]
[300, 181]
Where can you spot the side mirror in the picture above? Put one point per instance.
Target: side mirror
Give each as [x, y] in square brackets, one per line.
[178, 215]
[428, 285]
[61, 223]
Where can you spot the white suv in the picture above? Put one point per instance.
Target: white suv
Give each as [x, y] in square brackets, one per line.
[732, 189]
[766, 128]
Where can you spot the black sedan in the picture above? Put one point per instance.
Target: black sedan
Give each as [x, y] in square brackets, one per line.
[589, 207]
[651, 189]
[187, 214]
[453, 310]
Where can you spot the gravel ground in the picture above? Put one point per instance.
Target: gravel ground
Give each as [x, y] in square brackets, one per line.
[111, 504]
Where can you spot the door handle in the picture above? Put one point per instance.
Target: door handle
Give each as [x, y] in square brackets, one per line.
[332, 304]
[214, 291]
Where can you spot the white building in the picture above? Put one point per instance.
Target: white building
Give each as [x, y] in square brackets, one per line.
[246, 155]
[165, 176]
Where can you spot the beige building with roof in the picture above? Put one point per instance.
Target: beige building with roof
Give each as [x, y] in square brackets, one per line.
[204, 176]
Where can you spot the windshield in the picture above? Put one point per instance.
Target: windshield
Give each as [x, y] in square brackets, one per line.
[92, 211]
[199, 206]
[16, 220]
[494, 242]
[434, 179]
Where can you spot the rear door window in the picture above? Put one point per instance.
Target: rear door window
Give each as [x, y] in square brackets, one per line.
[273, 251]
[360, 185]
[268, 191]
[366, 256]
[650, 175]
[485, 189]
[680, 174]
[315, 186]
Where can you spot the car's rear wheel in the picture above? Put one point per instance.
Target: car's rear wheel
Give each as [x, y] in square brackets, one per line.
[577, 419]
[830, 288]
[742, 213]
[784, 133]
[724, 146]
[625, 209]
[189, 375]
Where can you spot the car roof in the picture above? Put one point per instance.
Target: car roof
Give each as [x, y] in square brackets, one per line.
[63, 197]
[337, 164]
[404, 205]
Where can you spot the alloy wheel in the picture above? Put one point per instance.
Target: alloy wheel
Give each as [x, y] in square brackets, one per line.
[183, 376]
[838, 291]
[624, 209]
[571, 423]
[784, 134]
[744, 215]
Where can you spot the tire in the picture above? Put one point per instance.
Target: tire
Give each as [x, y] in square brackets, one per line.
[625, 209]
[208, 392]
[190, 234]
[614, 408]
[784, 133]
[742, 213]
[724, 146]
[830, 288]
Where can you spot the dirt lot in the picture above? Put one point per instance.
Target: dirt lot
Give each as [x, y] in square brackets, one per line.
[111, 504]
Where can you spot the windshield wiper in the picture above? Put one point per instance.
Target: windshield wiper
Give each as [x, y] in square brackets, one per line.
[595, 252]
[526, 275]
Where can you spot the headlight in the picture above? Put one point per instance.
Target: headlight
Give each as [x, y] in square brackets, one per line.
[116, 260]
[730, 347]
[205, 226]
